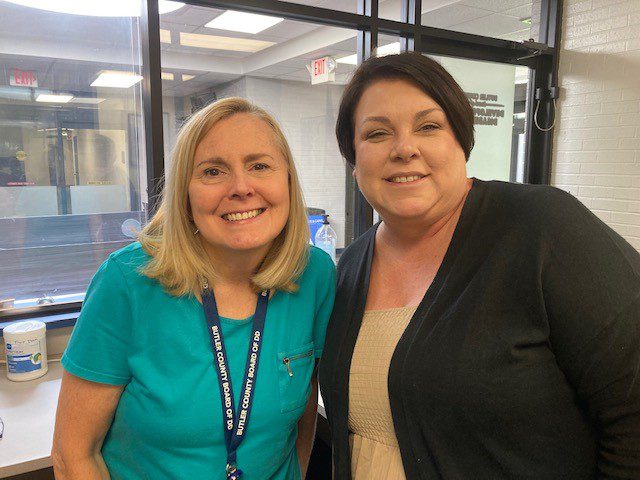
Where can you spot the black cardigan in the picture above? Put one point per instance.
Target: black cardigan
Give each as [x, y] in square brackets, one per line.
[522, 359]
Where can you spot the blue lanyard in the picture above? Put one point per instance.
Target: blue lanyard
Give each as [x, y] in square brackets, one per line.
[235, 426]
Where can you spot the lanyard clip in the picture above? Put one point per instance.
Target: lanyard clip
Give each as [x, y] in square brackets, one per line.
[233, 473]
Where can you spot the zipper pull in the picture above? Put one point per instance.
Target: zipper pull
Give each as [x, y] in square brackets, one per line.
[287, 363]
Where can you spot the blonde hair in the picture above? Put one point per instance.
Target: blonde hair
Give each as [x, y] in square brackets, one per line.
[179, 261]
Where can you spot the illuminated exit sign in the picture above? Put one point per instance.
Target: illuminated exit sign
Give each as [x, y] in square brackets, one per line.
[322, 70]
[22, 78]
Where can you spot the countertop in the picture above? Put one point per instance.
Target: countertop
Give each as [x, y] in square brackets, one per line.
[28, 412]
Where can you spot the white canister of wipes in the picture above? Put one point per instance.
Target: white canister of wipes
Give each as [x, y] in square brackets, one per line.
[26, 347]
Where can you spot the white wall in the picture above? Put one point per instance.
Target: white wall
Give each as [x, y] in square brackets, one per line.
[597, 137]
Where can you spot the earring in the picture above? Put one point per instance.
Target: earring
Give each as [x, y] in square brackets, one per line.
[196, 232]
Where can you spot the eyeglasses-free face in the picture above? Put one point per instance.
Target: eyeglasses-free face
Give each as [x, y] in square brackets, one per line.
[239, 189]
[409, 164]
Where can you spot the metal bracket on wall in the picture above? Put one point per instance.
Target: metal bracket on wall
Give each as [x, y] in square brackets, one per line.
[536, 49]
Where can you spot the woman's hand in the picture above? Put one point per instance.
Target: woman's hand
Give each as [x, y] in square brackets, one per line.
[307, 427]
[85, 412]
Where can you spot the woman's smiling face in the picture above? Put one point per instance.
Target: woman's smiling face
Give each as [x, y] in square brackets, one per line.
[239, 189]
[409, 163]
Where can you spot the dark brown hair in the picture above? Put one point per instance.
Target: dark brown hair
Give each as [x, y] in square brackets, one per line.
[427, 74]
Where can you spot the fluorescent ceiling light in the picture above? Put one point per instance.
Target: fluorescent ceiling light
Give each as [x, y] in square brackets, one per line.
[116, 79]
[243, 22]
[388, 49]
[186, 77]
[97, 8]
[223, 43]
[88, 100]
[165, 36]
[526, 21]
[53, 98]
[348, 60]
[166, 75]
[383, 50]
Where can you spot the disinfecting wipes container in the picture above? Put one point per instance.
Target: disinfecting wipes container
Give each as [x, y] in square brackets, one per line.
[26, 348]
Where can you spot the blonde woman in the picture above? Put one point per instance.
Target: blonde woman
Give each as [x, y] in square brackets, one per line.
[194, 355]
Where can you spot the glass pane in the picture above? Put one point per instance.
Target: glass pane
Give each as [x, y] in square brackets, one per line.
[498, 94]
[350, 6]
[507, 19]
[390, 9]
[71, 165]
[271, 69]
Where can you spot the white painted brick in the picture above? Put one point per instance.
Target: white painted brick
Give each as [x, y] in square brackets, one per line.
[600, 144]
[607, 96]
[615, 47]
[620, 107]
[630, 143]
[615, 156]
[580, 110]
[613, 181]
[597, 192]
[630, 119]
[590, 40]
[609, 24]
[625, 218]
[597, 168]
[626, 33]
[627, 169]
[582, 133]
[567, 168]
[624, 8]
[573, 8]
[615, 132]
[591, 16]
[577, 31]
[570, 145]
[609, 204]
[605, 3]
[603, 215]
[631, 94]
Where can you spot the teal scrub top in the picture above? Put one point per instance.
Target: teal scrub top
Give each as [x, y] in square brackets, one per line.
[168, 423]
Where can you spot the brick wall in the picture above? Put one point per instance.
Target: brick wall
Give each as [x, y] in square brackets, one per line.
[597, 136]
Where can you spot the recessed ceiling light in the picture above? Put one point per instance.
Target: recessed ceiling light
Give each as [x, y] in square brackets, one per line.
[88, 100]
[116, 79]
[165, 36]
[383, 50]
[348, 60]
[166, 75]
[186, 77]
[388, 49]
[243, 22]
[53, 98]
[97, 8]
[223, 43]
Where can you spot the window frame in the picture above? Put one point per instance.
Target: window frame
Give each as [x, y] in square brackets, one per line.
[542, 57]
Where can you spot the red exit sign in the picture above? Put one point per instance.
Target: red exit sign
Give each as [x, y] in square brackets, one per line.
[322, 70]
[22, 78]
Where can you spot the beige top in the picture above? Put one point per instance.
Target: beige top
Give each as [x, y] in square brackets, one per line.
[374, 447]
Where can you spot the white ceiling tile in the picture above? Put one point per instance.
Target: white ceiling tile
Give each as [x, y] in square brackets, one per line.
[452, 15]
[497, 5]
[490, 26]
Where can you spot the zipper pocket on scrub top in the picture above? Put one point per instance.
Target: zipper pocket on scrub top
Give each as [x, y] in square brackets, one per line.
[287, 360]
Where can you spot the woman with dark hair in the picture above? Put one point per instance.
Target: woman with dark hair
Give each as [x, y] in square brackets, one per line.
[481, 330]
